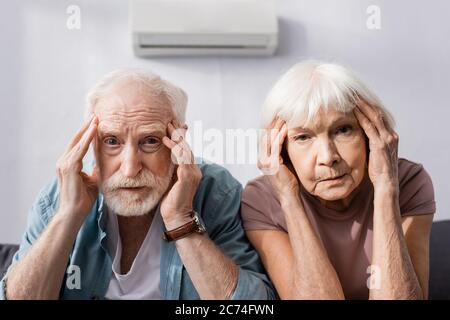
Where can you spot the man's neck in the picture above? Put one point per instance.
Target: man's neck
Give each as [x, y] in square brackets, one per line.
[133, 231]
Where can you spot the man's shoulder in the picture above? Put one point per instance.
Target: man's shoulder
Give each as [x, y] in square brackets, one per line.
[216, 177]
[47, 200]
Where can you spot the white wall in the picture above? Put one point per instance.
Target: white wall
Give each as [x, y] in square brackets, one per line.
[46, 70]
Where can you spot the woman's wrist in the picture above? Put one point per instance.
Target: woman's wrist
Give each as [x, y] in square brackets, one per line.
[290, 202]
[386, 200]
[387, 190]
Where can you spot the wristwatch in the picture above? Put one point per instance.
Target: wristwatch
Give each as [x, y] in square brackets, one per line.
[196, 225]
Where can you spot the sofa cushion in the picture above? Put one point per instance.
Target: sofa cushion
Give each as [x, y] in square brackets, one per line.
[440, 261]
[6, 254]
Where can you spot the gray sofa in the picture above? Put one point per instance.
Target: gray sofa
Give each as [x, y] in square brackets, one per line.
[439, 260]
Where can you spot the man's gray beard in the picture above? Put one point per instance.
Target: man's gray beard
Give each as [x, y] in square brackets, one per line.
[130, 204]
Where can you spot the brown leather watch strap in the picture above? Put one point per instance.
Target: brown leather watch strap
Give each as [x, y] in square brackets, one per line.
[181, 231]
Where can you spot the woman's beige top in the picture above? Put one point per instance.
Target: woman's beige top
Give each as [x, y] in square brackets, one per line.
[347, 236]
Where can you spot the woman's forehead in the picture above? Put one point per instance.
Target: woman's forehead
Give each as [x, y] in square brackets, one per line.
[322, 119]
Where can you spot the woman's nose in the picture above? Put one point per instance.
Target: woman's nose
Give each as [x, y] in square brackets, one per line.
[327, 154]
[131, 163]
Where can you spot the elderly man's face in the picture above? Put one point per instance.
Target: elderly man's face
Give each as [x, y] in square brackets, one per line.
[332, 146]
[134, 165]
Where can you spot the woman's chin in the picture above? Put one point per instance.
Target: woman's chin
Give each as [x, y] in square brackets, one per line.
[335, 193]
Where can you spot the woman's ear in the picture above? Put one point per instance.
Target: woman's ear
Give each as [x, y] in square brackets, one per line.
[366, 139]
[284, 153]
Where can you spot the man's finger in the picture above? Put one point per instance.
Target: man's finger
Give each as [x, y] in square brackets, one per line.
[83, 145]
[79, 133]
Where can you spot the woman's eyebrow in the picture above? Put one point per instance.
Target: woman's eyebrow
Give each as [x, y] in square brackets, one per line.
[339, 120]
[343, 119]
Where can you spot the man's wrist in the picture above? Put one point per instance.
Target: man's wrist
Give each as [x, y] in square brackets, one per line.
[178, 220]
[192, 226]
[68, 219]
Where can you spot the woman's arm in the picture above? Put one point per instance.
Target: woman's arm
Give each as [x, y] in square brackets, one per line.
[393, 252]
[297, 262]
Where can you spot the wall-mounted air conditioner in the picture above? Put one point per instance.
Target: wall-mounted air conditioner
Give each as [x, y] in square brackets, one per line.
[203, 27]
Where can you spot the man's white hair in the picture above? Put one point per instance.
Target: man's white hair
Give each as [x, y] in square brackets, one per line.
[150, 81]
[311, 85]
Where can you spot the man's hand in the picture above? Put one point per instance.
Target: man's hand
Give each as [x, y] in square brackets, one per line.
[78, 191]
[176, 206]
[270, 162]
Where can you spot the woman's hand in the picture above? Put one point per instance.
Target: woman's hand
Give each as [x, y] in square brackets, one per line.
[383, 145]
[270, 161]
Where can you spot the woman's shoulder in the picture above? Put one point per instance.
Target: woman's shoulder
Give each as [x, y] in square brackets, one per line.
[259, 205]
[257, 190]
[416, 188]
[410, 171]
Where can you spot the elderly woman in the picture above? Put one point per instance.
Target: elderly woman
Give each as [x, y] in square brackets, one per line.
[337, 215]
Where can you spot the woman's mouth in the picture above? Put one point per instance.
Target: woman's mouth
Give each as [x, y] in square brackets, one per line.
[334, 180]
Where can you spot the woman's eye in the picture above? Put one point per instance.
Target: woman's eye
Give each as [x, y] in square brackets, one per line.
[301, 137]
[344, 129]
[111, 141]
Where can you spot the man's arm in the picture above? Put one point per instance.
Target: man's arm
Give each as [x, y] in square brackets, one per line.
[216, 268]
[213, 274]
[213, 261]
[39, 274]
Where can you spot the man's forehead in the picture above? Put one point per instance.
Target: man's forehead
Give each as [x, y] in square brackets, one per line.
[118, 127]
[118, 103]
[131, 96]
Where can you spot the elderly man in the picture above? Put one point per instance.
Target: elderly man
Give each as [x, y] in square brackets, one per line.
[144, 221]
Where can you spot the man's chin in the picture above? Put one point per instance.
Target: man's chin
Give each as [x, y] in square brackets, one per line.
[130, 208]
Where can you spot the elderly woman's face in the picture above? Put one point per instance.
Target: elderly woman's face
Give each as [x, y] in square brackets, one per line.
[329, 155]
[135, 166]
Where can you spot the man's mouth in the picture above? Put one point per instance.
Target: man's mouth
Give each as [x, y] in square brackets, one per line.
[135, 189]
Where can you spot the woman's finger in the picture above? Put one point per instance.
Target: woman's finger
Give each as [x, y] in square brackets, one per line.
[366, 125]
[264, 150]
[277, 143]
[276, 129]
[375, 115]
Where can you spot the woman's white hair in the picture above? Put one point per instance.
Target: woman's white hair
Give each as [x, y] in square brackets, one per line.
[310, 85]
[151, 82]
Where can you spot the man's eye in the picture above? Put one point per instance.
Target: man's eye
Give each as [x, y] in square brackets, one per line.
[151, 141]
[111, 141]
[302, 137]
[344, 129]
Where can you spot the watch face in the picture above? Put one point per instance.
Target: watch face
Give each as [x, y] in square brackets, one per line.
[200, 227]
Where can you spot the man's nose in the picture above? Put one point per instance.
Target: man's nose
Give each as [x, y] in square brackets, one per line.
[131, 163]
[327, 154]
